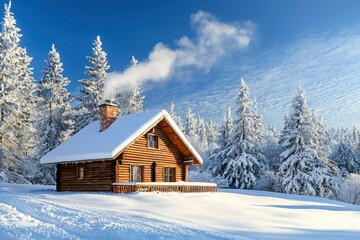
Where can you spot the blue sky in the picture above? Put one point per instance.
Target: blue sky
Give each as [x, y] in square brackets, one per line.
[309, 43]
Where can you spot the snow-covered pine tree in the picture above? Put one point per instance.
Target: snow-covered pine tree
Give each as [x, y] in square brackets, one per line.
[258, 126]
[226, 130]
[212, 135]
[272, 134]
[355, 137]
[133, 61]
[322, 138]
[175, 117]
[190, 126]
[323, 143]
[218, 155]
[92, 87]
[346, 156]
[304, 169]
[17, 138]
[202, 144]
[344, 134]
[131, 101]
[136, 98]
[56, 124]
[272, 148]
[243, 154]
[346, 159]
[338, 135]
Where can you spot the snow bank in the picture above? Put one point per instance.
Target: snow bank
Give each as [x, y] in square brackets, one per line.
[38, 212]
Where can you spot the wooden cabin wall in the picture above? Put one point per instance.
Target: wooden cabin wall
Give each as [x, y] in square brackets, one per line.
[98, 176]
[138, 154]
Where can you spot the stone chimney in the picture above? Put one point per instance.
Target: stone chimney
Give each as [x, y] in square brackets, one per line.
[108, 111]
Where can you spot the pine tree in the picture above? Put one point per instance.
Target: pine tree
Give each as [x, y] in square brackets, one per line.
[355, 138]
[92, 87]
[131, 101]
[258, 126]
[272, 148]
[136, 99]
[175, 117]
[56, 124]
[226, 130]
[346, 159]
[190, 126]
[202, 144]
[17, 138]
[322, 137]
[304, 168]
[272, 135]
[346, 155]
[243, 155]
[212, 135]
[218, 155]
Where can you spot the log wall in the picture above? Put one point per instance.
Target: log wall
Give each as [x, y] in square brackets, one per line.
[138, 154]
[98, 176]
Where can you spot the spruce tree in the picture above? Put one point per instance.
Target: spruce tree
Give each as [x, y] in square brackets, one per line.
[272, 148]
[346, 157]
[175, 117]
[355, 137]
[226, 130]
[92, 87]
[136, 99]
[218, 155]
[258, 126]
[131, 101]
[243, 154]
[56, 124]
[211, 134]
[190, 126]
[304, 169]
[202, 143]
[17, 138]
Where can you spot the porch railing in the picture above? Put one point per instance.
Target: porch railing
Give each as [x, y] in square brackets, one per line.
[185, 187]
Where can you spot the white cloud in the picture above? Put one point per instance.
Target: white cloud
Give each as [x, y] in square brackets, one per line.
[214, 39]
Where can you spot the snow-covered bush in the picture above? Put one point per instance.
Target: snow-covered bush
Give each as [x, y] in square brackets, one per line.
[196, 175]
[350, 189]
[268, 181]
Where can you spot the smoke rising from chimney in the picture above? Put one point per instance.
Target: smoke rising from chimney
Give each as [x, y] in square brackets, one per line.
[213, 40]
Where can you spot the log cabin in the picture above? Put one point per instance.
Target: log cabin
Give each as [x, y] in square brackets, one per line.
[137, 152]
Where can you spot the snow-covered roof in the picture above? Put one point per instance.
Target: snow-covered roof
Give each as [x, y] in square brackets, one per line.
[90, 144]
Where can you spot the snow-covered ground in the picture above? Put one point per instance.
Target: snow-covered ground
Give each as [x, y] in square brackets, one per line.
[39, 212]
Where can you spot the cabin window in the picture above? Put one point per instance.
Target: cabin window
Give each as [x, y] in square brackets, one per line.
[169, 174]
[135, 174]
[80, 171]
[153, 141]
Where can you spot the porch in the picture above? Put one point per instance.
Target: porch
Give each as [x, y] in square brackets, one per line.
[186, 187]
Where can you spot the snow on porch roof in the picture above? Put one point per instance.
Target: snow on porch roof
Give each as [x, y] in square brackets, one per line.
[90, 144]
